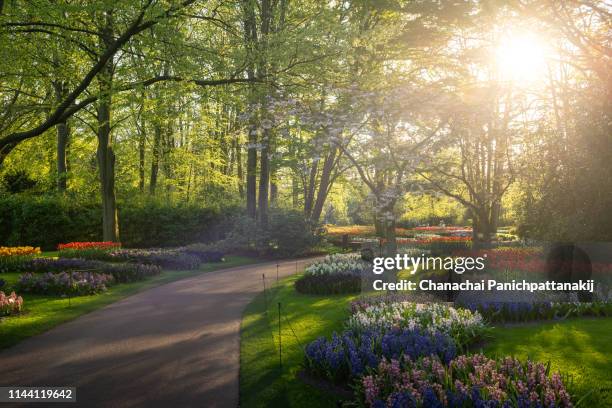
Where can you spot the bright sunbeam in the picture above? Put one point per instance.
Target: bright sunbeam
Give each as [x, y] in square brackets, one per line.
[522, 57]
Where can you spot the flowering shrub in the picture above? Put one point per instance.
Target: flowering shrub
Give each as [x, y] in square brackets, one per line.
[121, 272]
[89, 245]
[346, 264]
[11, 304]
[12, 258]
[526, 311]
[73, 283]
[463, 325]
[467, 381]
[351, 354]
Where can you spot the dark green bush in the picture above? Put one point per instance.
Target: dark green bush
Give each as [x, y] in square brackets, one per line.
[328, 284]
[47, 221]
[286, 234]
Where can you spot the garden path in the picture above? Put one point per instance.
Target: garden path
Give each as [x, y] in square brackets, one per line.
[176, 345]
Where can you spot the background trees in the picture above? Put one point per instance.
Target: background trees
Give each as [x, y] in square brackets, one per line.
[334, 109]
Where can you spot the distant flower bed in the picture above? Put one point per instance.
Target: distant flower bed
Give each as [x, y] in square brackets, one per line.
[467, 381]
[11, 304]
[530, 259]
[504, 312]
[164, 258]
[443, 229]
[18, 251]
[361, 230]
[464, 326]
[89, 245]
[12, 258]
[64, 283]
[431, 239]
[334, 274]
[121, 272]
[352, 354]
[347, 264]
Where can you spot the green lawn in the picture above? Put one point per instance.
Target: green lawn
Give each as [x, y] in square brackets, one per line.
[262, 382]
[44, 312]
[579, 348]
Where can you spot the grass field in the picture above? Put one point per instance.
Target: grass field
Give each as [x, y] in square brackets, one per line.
[44, 312]
[579, 348]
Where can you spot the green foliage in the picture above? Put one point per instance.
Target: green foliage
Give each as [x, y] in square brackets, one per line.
[328, 284]
[47, 221]
[18, 182]
[157, 224]
[287, 233]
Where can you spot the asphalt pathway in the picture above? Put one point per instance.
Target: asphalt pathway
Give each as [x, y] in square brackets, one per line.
[176, 345]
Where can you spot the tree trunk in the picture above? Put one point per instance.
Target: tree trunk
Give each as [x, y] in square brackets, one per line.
[155, 157]
[309, 190]
[62, 164]
[62, 133]
[251, 182]
[294, 191]
[264, 181]
[105, 154]
[324, 185]
[106, 161]
[250, 38]
[239, 169]
[142, 138]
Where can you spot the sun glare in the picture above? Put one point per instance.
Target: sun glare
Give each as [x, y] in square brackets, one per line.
[522, 57]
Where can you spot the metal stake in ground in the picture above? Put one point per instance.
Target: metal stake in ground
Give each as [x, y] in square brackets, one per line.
[263, 277]
[276, 273]
[280, 341]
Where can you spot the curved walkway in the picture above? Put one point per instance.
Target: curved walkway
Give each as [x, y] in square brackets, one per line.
[176, 345]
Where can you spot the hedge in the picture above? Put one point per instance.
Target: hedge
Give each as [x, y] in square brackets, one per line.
[47, 221]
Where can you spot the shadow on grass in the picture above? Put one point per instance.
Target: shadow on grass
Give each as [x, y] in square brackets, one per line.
[578, 348]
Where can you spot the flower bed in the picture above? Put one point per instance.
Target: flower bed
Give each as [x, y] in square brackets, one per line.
[164, 258]
[88, 245]
[73, 283]
[504, 312]
[467, 381]
[11, 304]
[335, 274]
[12, 258]
[352, 354]
[345, 264]
[464, 326]
[121, 272]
